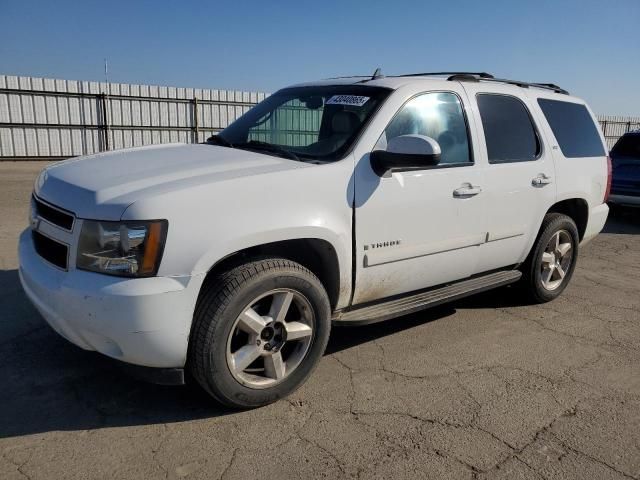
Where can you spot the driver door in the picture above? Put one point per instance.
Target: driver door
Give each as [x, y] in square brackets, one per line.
[420, 228]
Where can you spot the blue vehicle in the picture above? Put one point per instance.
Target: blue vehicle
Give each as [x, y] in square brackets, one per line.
[625, 160]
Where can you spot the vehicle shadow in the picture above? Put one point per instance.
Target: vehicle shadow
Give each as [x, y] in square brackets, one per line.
[50, 384]
[345, 337]
[623, 220]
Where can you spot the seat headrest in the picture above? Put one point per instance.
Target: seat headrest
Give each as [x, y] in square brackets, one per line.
[345, 122]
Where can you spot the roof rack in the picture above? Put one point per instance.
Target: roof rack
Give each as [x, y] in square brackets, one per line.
[471, 77]
[553, 86]
[465, 77]
[486, 77]
[428, 74]
[378, 74]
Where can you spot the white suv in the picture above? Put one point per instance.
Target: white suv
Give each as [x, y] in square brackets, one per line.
[345, 201]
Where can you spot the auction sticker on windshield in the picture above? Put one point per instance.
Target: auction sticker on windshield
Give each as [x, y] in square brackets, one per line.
[354, 100]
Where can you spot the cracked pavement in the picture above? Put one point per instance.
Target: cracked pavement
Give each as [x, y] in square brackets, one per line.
[484, 388]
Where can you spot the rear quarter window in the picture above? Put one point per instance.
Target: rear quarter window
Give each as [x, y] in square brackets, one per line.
[573, 127]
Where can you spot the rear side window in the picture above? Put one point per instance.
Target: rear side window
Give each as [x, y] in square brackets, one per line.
[573, 127]
[508, 129]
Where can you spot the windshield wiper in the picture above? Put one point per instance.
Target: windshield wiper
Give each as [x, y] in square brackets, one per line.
[218, 140]
[268, 147]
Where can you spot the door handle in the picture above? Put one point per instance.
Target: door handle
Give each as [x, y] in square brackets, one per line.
[466, 190]
[541, 180]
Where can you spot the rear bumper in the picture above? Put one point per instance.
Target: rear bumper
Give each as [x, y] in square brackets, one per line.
[595, 224]
[625, 199]
[144, 321]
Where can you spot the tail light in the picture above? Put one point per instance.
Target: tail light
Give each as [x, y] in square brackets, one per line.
[609, 175]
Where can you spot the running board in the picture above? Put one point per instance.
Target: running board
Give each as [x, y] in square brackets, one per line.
[408, 304]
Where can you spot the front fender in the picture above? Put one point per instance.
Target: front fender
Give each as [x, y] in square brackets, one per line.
[212, 221]
[232, 245]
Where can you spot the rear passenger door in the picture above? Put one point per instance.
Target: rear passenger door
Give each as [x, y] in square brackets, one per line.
[519, 172]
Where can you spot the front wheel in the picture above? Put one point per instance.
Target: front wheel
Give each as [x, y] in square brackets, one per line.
[259, 331]
[552, 261]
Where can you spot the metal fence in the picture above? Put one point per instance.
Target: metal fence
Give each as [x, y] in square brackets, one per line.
[54, 119]
[613, 127]
[46, 118]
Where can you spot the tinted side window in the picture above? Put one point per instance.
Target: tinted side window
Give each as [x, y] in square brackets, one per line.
[573, 127]
[436, 115]
[508, 129]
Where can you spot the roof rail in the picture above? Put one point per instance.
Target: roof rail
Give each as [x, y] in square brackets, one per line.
[464, 77]
[471, 77]
[428, 74]
[552, 86]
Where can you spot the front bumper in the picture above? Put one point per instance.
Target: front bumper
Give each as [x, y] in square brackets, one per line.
[143, 321]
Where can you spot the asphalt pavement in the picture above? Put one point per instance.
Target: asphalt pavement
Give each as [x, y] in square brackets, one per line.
[487, 387]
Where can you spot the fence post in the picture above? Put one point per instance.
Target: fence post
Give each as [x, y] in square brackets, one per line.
[195, 120]
[105, 121]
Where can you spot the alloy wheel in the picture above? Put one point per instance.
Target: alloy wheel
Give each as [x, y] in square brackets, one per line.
[556, 260]
[270, 338]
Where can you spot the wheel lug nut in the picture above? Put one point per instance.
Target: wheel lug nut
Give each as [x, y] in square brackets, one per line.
[258, 342]
[267, 346]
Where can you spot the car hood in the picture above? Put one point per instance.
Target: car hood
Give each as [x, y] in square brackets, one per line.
[103, 185]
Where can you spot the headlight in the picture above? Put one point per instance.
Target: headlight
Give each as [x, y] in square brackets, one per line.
[130, 249]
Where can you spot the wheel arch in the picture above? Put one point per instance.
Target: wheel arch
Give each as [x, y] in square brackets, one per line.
[318, 255]
[575, 208]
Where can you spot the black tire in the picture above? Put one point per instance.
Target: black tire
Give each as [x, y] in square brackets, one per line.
[223, 300]
[531, 282]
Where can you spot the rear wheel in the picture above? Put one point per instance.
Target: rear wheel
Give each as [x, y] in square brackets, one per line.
[552, 260]
[259, 331]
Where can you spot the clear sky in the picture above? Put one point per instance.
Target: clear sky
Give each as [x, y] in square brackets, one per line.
[591, 48]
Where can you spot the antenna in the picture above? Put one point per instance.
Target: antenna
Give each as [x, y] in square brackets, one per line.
[377, 74]
[106, 71]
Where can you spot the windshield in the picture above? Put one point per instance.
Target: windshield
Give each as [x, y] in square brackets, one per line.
[320, 122]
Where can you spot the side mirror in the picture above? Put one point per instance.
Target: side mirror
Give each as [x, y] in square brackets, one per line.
[406, 152]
